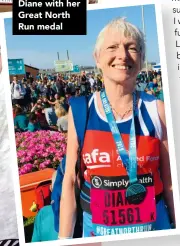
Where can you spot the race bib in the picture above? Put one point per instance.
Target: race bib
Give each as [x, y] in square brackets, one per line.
[113, 214]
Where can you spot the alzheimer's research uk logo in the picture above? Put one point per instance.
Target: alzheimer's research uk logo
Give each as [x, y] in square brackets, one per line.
[96, 182]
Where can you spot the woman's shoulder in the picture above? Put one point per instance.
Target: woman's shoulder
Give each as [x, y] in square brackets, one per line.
[77, 101]
[146, 97]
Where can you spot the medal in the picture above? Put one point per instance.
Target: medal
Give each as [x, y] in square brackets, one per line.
[136, 193]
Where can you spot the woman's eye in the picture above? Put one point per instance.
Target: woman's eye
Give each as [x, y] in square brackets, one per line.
[134, 49]
[112, 47]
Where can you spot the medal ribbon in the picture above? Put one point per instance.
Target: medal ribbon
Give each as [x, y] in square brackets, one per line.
[129, 161]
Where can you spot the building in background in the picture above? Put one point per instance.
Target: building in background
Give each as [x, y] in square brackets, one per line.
[150, 66]
[29, 70]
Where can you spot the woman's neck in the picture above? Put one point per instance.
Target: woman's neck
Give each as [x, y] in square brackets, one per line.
[119, 95]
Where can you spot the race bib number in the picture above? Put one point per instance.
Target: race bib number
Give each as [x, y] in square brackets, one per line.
[113, 214]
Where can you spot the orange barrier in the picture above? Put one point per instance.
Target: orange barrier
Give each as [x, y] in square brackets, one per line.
[28, 182]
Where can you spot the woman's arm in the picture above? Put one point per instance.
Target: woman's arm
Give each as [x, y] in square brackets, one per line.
[165, 170]
[51, 103]
[33, 108]
[68, 201]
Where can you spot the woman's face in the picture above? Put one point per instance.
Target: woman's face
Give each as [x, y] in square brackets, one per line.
[15, 80]
[119, 58]
[56, 96]
[155, 81]
[39, 101]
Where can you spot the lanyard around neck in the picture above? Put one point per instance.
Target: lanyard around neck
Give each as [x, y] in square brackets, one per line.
[129, 161]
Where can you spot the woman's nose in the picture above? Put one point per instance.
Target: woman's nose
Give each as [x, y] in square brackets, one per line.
[122, 52]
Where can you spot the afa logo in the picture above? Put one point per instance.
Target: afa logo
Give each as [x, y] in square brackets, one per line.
[96, 157]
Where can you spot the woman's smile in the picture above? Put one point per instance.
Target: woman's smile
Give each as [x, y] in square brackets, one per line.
[122, 67]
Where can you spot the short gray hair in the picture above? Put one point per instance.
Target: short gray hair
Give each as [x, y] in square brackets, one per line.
[125, 28]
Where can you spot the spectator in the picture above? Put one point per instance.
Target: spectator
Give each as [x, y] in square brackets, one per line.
[50, 116]
[44, 222]
[62, 122]
[83, 83]
[18, 92]
[91, 81]
[20, 120]
[33, 123]
[45, 103]
[41, 119]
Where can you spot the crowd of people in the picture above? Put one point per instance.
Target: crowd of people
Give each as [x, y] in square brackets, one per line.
[151, 83]
[42, 102]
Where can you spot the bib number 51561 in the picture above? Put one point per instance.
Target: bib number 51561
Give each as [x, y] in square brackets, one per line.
[122, 216]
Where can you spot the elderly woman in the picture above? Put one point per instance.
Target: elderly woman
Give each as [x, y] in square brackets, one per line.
[125, 153]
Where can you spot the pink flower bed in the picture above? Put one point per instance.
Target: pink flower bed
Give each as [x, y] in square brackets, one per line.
[39, 150]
